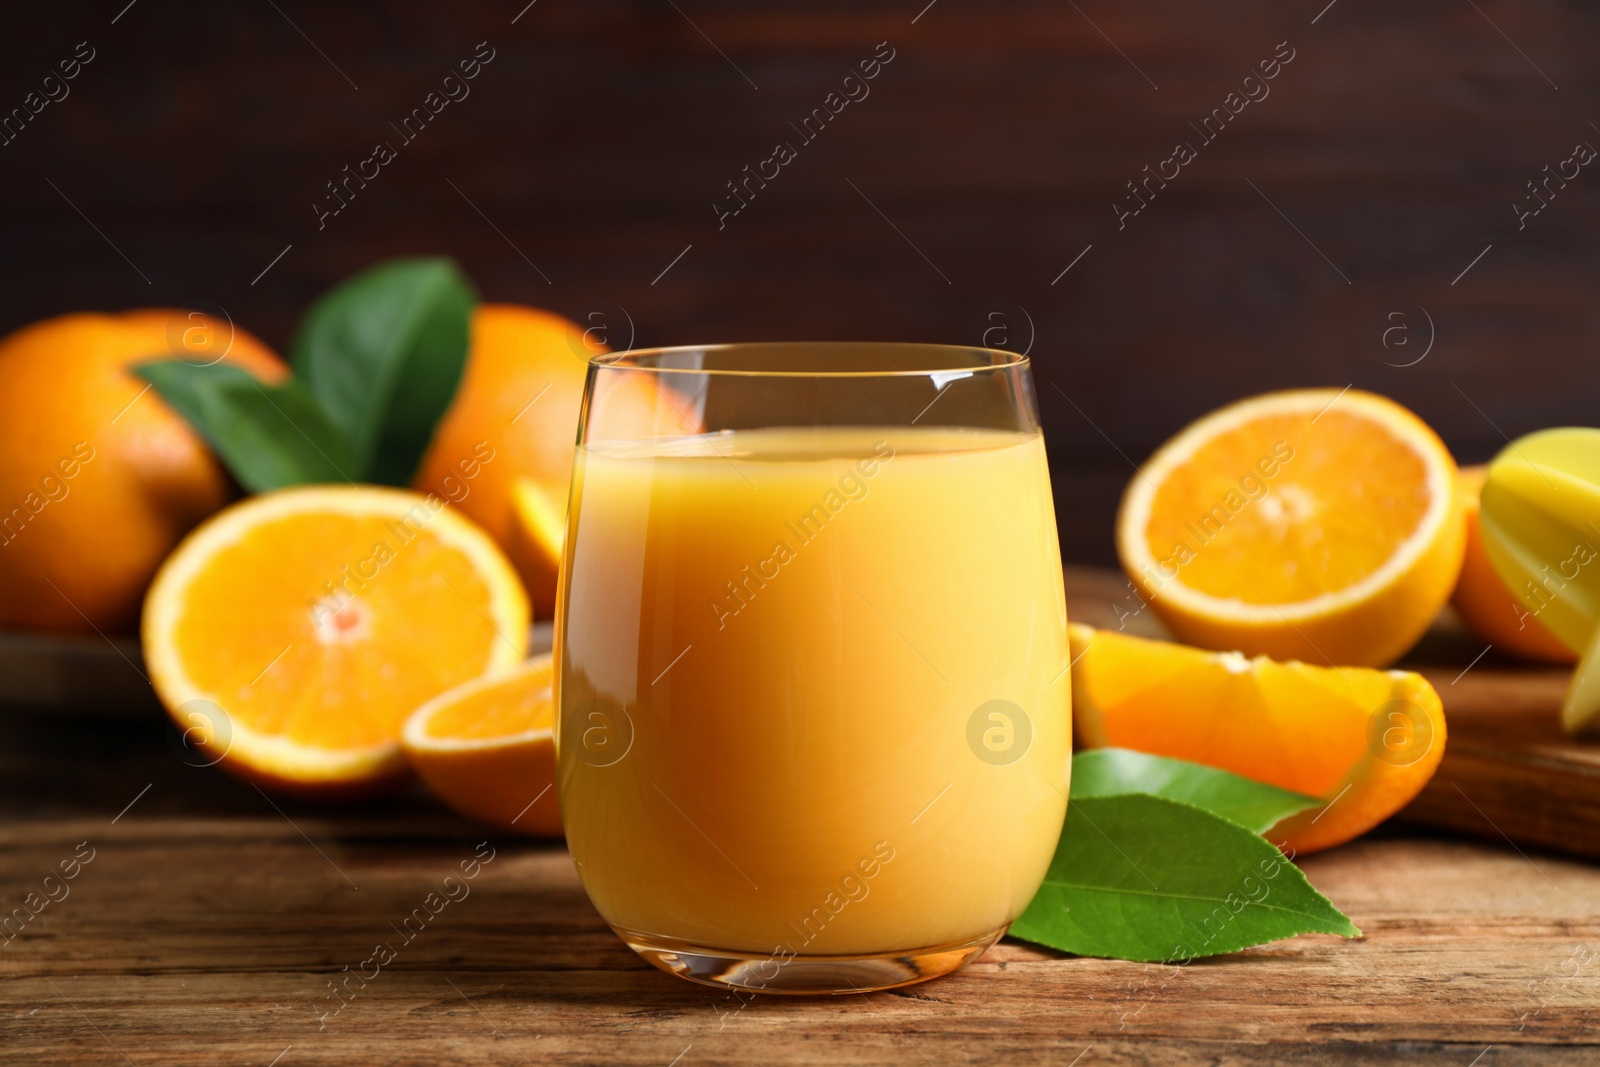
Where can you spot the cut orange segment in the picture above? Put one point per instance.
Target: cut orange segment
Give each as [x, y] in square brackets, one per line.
[487, 749]
[1315, 524]
[1484, 600]
[539, 522]
[1365, 741]
[290, 635]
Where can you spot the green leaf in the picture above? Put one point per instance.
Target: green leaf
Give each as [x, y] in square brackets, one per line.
[1145, 878]
[269, 436]
[1108, 772]
[383, 353]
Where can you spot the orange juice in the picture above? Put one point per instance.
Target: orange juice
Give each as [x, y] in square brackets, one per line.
[813, 691]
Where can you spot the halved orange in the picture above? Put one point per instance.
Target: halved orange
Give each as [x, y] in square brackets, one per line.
[487, 748]
[290, 635]
[1314, 524]
[1365, 741]
[1486, 603]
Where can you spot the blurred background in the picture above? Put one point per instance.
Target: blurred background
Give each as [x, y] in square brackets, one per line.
[1378, 213]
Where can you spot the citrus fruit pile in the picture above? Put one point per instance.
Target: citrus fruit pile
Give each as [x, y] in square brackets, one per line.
[323, 636]
[1301, 541]
[294, 634]
[332, 639]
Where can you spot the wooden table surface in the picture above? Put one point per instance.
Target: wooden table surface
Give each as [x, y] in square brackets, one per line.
[210, 920]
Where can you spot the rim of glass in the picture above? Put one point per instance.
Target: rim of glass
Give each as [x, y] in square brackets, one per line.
[629, 359]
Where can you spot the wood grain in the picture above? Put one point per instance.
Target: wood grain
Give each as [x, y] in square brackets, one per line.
[213, 940]
[1509, 771]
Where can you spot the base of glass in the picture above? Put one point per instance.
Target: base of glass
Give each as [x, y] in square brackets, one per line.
[804, 975]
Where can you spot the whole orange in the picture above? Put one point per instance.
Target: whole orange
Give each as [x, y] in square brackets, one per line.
[1484, 601]
[515, 415]
[99, 478]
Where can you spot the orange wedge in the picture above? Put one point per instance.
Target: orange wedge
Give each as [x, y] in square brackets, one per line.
[487, 749]
[1365, 741]
[538, 522]
[290, 635]
[1484, 600]
[1315, 524]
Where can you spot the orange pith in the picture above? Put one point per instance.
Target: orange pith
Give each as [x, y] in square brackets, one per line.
[1365, 741]
[318, 618]
[1314, 524]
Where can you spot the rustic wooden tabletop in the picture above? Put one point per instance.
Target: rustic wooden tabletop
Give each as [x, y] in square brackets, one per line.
[206, 923]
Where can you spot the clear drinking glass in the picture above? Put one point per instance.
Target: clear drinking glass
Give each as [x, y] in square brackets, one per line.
[814, 727]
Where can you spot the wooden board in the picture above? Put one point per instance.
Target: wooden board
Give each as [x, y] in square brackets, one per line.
[1509, 772]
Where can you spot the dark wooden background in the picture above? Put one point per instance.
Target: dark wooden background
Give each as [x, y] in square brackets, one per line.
[191, 149]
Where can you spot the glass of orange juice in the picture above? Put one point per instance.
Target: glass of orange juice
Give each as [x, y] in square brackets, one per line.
[814, 725]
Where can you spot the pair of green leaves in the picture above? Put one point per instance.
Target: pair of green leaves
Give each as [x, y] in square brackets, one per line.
[1163, 860]
[376, 363]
